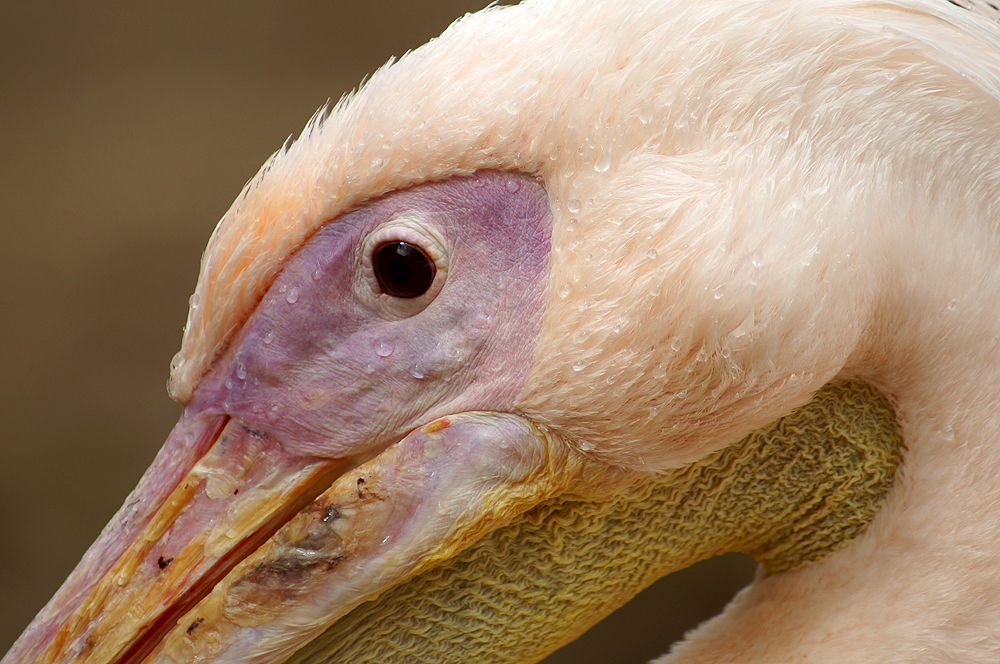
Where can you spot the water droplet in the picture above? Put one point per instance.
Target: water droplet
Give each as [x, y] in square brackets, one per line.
[603, 163]
[573, 205]
[317, 274]
[268, 337]
[241, 371]
[417, 371]
[482, 322]
[651, 254]
[384, 348]
[283, 288]
[229, 384]
[953, 304]
[579, 365]
[718, 292]
[377, 163]
[512, 185]
[194, 301]
[293, 296]
[586, 446]
[756, 261]
[616, 328]
[564, 291]
[571, 226]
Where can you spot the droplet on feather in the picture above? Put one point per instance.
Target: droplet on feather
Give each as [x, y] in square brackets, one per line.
[603, 163]
[293, 296]
[745, 327]
[573, 205]
[384, 348]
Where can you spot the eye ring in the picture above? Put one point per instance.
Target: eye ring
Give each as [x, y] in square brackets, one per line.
[402, 269]
[429, 244]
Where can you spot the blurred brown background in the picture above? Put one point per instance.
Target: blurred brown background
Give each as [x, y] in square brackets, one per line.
[126, 129]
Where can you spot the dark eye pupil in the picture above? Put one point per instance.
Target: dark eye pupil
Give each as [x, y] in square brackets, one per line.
[402, 269]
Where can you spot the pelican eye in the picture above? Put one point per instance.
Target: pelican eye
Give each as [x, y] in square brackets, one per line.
[403, 269]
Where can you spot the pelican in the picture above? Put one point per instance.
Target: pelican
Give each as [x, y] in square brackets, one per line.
[574, 295]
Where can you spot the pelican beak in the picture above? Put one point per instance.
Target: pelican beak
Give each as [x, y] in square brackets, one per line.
[335, 447]
[232, 549]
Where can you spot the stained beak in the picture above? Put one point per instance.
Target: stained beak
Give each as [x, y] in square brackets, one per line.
[233, 549]
[312, 468]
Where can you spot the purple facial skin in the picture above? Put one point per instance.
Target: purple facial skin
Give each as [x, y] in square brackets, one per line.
[325, 374]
